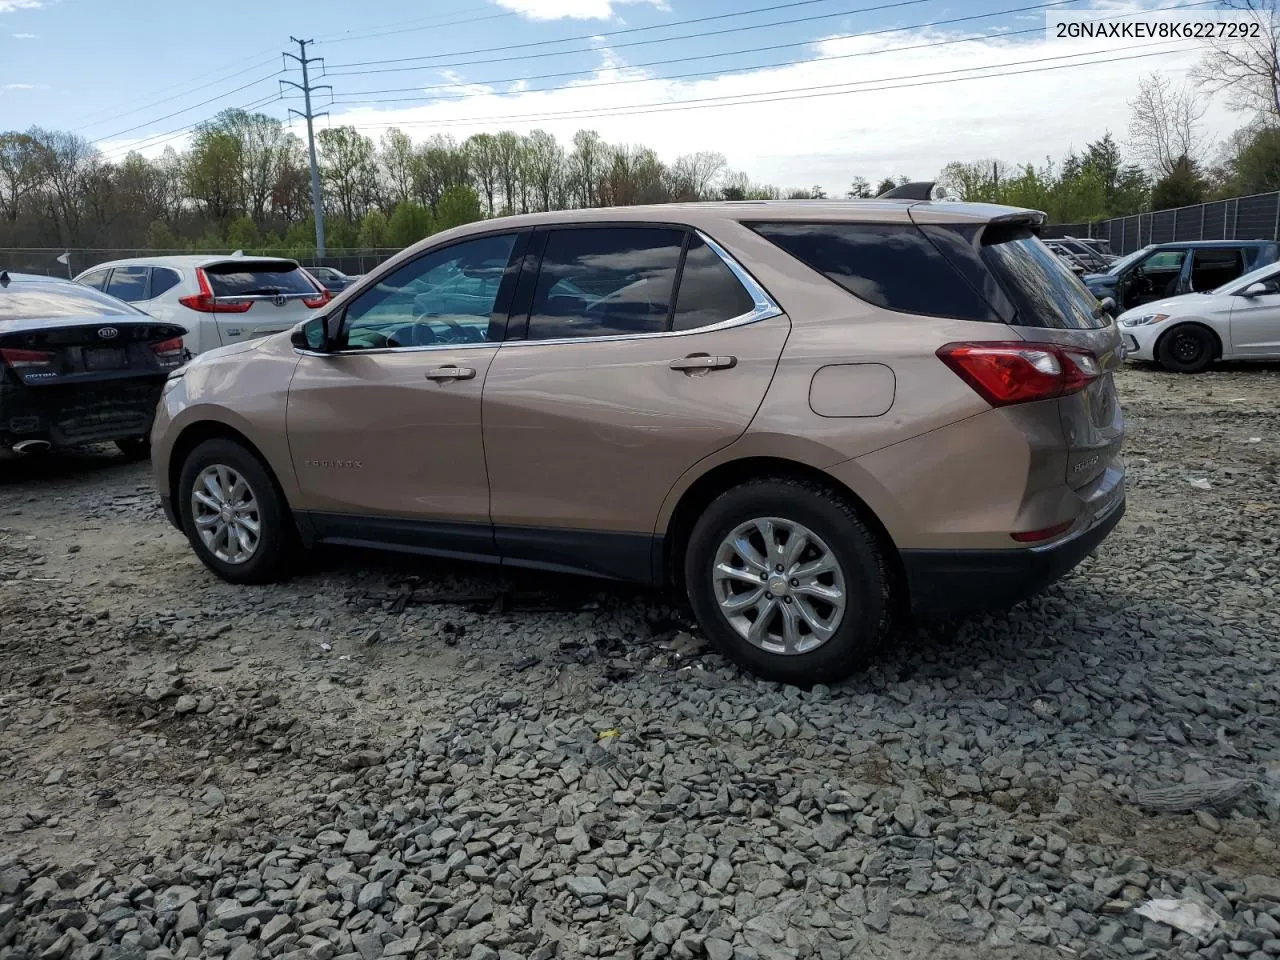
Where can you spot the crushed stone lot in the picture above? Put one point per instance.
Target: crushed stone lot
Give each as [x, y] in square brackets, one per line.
[392, 757]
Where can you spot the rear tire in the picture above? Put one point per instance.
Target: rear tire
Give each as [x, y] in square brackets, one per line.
[817, 627]
[135, 448]
[236, 520]
[1187, 348]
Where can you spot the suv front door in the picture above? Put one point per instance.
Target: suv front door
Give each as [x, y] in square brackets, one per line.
[634, 351]
[384, 429]
[1156, 276]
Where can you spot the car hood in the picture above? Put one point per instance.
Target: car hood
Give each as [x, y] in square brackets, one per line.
[1198, 304]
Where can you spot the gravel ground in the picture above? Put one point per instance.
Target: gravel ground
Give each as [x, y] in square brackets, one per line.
[389, 758]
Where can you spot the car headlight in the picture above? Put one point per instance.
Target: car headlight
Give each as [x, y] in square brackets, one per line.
[1145, 320]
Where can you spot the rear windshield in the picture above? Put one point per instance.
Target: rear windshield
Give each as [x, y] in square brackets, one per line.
[263, 277]
[892, 265]
[1043, 290]
[33, 300]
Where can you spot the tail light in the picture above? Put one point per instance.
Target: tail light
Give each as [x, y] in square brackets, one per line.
[1009, 372]
[169, 352]
[27, 359]
[1047, 533]
[323, 297]
[204, 301]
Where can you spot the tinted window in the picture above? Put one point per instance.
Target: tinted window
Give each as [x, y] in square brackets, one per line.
[443, 297]
[128, 283]
[163, 279]
[97, 279]
[606, 280]
[30, 300]
[889, 264]
[709, 292]
[260, 277]
[1215, 266]
[1044, 291]
[1164, 261]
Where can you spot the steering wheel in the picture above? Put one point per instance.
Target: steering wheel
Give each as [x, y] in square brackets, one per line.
[455, 328]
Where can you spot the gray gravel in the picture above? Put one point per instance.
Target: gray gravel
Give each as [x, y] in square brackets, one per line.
[343, 767]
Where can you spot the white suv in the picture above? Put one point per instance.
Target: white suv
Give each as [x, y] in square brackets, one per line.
[219, 299]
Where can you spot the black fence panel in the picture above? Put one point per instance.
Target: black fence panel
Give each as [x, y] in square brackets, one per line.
[1256, 217]
[1215, 221]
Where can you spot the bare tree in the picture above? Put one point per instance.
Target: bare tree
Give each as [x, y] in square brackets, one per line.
[693, 174]
[1247, 68]
[1164, 124]
[19, 173]
[590, 155]
[507, 158]
[544, 166]
[482, 157]
[396, 156]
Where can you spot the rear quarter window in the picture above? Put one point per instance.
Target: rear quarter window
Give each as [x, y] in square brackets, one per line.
[891, 265]
[1043, 290]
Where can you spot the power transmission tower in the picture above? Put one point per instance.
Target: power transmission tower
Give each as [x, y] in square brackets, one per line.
[317, 197]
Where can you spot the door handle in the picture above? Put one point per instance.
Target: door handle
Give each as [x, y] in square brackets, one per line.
[702, 361]
[450, 372]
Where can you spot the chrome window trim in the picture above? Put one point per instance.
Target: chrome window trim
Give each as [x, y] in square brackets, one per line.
[766, 308]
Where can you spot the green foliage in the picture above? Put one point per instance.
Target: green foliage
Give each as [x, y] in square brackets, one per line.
[340, 233]
[458, 205]
[373, 230]
[1182, 187]
[410, 222]
[1256, 167]
[243, 233]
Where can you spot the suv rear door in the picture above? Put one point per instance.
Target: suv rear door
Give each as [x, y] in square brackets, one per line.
[634, 351]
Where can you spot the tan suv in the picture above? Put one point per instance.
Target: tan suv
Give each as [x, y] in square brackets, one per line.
[813, 417]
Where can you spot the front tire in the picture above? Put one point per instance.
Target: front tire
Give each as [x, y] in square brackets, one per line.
[788, 581]
[1187, 348]
[237, 522]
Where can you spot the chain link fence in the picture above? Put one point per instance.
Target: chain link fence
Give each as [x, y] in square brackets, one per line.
[1239, 218]
[45, 260]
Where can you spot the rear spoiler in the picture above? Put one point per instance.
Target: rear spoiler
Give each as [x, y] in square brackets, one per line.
[918, 190]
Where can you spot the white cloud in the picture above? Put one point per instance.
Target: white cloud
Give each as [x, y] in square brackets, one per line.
[9, 6]
[568, 9]
[25, 36]
[22, 86]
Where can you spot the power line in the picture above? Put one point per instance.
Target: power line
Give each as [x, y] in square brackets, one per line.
[429, 24]
[258, 64]
[194, 106]
[796, 93]
[156, 139]
[734, 53]
[592, 36]
[349, 98]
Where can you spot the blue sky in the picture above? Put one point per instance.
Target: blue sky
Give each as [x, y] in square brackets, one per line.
[136, 74]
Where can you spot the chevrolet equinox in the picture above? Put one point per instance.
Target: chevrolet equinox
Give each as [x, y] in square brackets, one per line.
[815, 418]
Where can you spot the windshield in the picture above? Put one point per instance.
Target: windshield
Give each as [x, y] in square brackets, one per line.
[38, 300]
[1253, 276]
[1124, 263]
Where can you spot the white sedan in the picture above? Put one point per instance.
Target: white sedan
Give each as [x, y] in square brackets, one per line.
[1237, 321]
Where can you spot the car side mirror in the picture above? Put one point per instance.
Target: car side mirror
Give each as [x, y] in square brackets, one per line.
[1107, 305]
[311, 335]
[1258, 289]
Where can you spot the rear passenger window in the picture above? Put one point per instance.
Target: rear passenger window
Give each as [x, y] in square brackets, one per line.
[892, 265]
[162, 279]
[97, 279]
[709, 292]
[128, 284]
[605, 281]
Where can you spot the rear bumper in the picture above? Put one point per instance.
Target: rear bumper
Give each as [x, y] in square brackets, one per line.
[67, 416]
[945, 583]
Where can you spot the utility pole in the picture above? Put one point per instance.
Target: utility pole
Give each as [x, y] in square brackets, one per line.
[317, 197]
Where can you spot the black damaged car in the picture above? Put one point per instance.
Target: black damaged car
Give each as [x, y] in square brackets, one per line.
[78, 366]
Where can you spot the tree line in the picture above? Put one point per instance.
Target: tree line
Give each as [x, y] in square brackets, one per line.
[244, 179]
